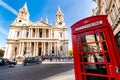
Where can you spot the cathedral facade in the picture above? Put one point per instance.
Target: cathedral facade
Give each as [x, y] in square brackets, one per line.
[35, 39]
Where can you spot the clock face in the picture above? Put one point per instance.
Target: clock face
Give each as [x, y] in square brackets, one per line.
[20, 20]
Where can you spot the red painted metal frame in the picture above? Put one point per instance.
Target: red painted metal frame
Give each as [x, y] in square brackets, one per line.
[110, 43]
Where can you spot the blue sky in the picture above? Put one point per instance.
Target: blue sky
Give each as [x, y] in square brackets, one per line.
[74, 10]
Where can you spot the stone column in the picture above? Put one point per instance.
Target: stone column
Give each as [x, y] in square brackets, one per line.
[35, 32]
[44, 47]
[51, 47]
[23, 32]
[38, 33]
[67, 35]
[43, 33]
[6, 51]
[29, 33]
[67, 49]
[51, 34]
[30, 49]
[42, 53]
[20, 46]
[63, 47]
[37, 49]
[55, 47]
[9, 36]
[22, 51]
[48, 48]
[27, 45]
[9, 51]
[13, 34]
[27, 49]
[64, 35]
[10, 33]
[34, 49]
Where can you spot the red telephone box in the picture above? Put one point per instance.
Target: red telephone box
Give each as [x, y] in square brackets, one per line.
[96, 55]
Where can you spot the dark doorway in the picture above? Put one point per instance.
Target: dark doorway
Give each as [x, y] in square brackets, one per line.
[39, 51]
[52, 50]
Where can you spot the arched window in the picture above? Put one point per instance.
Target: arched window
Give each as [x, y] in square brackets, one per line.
[61, 48]
[17, 34]
[61, 35]
[27, 34]
[60, 23]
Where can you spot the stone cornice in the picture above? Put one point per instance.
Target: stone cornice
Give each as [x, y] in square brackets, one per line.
[60, 27]
[35, 40]
[38, 40]
[19, 27]
[12, 41]
[42, 27]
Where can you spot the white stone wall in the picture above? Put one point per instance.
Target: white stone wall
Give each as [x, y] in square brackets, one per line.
[34, 42]
[8, 52]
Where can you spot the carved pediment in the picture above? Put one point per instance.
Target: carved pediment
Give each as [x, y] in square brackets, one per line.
[40, 23]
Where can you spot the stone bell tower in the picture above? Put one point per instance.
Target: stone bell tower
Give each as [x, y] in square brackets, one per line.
[59, 21]
[23, 15]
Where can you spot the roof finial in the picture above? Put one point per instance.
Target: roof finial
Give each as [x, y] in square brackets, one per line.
[25, 3]
[59, 8]
[50, 23]
[59, 11]
[46, 19]
[40, 19]
[25, 6]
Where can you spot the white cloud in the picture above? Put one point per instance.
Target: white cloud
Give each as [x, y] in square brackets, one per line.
[8, 7]
[3, 31]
